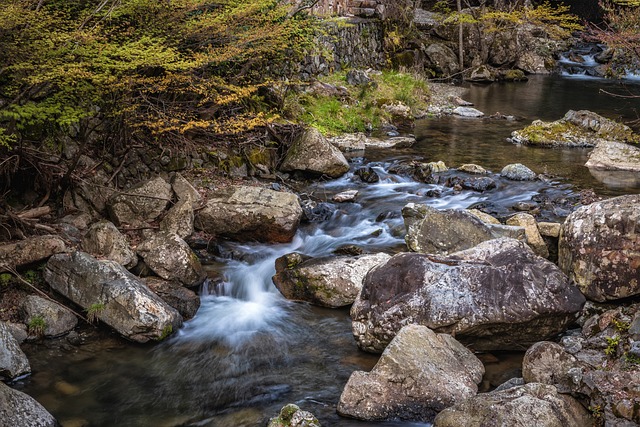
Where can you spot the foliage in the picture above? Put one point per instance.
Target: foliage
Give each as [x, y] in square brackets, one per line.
[94, 311]
[166, 332]
[612, 345]
[37, 325]
[5, 279]
[361, 109]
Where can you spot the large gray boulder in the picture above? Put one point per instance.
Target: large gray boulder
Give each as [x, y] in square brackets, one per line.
[13, 361]
[532, 404]
[185, 191]
[18, 409]
[141, 204]
[419, 374]
[171, 258]
[496, 296]
[311, 152]
[57, 319]
[116, 297]
[614, 155]
[251, 213]
[430, 230]
[598, 248]
[179, 219]
[33, 249]
[328, 282]
[104, 240]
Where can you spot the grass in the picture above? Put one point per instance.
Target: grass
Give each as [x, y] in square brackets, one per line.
[361, 109]
[94, 311]
[37, 325]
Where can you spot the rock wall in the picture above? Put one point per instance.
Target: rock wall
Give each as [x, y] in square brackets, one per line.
[382, 9]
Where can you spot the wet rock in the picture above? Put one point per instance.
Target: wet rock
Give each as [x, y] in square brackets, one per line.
[478, 184]
[392, 142]
[496, 296]
[176, 295]
[292, 416]
[312, 153]
[345, 196]
[251, 213]
[141, 204]
[317, 211]
[172, 259]
[616, 156]
[185, 191]
[179, 219]
[482, 74]
[467, 112]
[33, 249]
[518, 172]
[598, 248]
[13, 361]
[349, 142]
[472, 168]
[419, 374]
[328, 282]
[367, 174]
[534, 239]
[20, 409]
[127, 305]
[528, 405]
[525, 206]
[104, 240]
[442, 232]
[57, 319]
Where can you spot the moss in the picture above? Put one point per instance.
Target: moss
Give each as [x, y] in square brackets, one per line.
[515, 76]
[548, 134]
[37, 325]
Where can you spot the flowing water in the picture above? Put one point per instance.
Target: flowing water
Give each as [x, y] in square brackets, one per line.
[248, 351]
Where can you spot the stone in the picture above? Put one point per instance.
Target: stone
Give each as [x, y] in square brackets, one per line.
[21, 410]
[549, 229]
[484, 217]
[345, 196]
[349, 142]
[33, 249]
[532, 404]
[172, 259]
[548, 363]
[467, 112]
[104, 240]
[518, 172]
[482, 74]
[58, 319]
[327, 282]
[472, 168]
[312, 153]
[358, 78]
[496, 296]
[598, 248]
[419, 374]
[179, 219]
[534, 239]
[176, 295]
[13, 361]
[480, 184]
[18, 330]
[441, 59]
[615, 156]
[141, 204]
[126, 304]
[251, 213]
[391, 142]
[185, 191]
[443, 232]
[292, 416]
[367, 174]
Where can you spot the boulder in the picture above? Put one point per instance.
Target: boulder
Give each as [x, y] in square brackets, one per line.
[311, 152]
[598, 248]
[548, 363]
[534, 239]
[57, 319]
[18, 409]
[104, 240]
[172, 259]
[367, 174]
[125, 303]
[467, 112]
[480, 184]
[484, 217]
[185, 191]
[441, 59]
[176, 295]
[141, 204]
[443, 232]
[292, 416]
[391, 142]
[251, 213]
[482, 74]
[473, 168]
[179, 219]
[13, 362]
[549, 229]
[419, 374]
[33, 249]
[518, 172]
[328, 282]
[349, 142]
[345, 196]
[613, 155]
[532, 404]
[496, 296]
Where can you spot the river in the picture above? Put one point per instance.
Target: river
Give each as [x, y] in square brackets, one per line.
[248, 351]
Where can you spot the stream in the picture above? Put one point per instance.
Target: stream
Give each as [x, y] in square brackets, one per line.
[249, 351]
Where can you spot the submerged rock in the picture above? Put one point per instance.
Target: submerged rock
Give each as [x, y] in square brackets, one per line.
[18, 409]
[532, 404]
[598, 248]
[419, 374]
[328, 282]
[251, 213]
[311, 152]
[367, 174]
[13, 361]
[496, 296]
[115, 296]
[103, 239]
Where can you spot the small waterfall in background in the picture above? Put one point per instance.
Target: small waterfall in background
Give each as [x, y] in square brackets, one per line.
[591, 60]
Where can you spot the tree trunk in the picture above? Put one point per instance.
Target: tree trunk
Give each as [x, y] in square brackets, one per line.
[460, 37]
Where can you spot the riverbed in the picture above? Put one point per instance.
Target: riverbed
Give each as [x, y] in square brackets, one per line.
[249, 351]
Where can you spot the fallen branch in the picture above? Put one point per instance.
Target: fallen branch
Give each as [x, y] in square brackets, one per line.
[35, 213]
